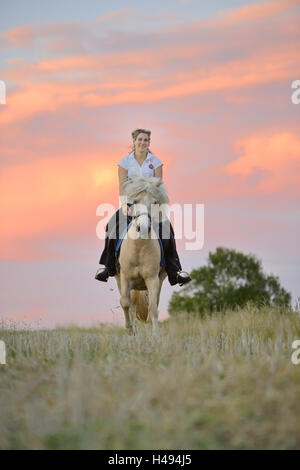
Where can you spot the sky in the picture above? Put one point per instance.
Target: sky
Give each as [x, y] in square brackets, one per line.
[213, 82]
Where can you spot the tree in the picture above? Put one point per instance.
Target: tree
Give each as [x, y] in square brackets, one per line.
[229, 280]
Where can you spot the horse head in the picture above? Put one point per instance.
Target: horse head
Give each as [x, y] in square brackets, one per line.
[149, 200]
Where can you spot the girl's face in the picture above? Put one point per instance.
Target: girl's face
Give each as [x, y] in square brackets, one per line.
[142, 142]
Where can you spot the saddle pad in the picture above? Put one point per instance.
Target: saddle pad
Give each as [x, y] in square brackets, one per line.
[119, 243]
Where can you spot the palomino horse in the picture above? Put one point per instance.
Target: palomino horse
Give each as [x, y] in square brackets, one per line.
[141, 275]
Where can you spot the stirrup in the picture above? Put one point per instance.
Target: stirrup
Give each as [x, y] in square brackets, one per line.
[183, 279]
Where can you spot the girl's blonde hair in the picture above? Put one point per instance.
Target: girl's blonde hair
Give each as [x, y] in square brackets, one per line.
[136, 132]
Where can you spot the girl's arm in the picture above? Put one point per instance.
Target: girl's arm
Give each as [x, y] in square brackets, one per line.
[122, 173]
[158, 172]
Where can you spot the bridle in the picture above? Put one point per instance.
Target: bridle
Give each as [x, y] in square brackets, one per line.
[135, 217]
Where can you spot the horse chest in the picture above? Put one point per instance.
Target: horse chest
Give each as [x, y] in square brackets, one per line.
[138, 284]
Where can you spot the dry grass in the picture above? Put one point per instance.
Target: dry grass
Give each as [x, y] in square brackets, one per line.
[214, 383]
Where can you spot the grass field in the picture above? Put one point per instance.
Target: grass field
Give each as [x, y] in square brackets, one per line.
[222, 382]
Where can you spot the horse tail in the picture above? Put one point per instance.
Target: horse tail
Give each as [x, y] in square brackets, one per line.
[140, 300]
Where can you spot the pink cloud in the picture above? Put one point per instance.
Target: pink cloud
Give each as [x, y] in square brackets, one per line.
[278, 156]
[188, 66]
[20, 36]
[54, 195]
[255, 12]
[27, 34]
[52, 97]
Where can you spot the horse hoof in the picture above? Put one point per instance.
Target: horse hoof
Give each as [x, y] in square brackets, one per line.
[130, 331]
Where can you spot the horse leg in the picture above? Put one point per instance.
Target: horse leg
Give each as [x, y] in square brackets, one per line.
[117, 277]
[153, 290]
[161, 280]
[132, 311]
[125, 302]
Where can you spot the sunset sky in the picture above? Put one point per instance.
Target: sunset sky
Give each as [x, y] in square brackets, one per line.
[212, 80]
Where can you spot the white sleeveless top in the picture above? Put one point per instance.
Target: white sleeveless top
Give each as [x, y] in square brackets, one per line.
[134, 169]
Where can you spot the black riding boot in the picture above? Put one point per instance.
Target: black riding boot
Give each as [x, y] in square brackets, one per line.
[171, 256]
[113, 231]
[108, 255]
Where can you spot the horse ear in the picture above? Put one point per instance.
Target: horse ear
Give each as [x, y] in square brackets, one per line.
[159, 182]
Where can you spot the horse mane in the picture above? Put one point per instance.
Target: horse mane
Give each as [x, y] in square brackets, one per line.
[155, 186]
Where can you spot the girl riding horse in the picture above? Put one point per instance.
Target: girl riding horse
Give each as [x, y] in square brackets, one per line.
[140, 162]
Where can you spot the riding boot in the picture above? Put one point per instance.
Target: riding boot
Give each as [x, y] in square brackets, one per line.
[172, 265]
[113, 231]
[108, 255]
